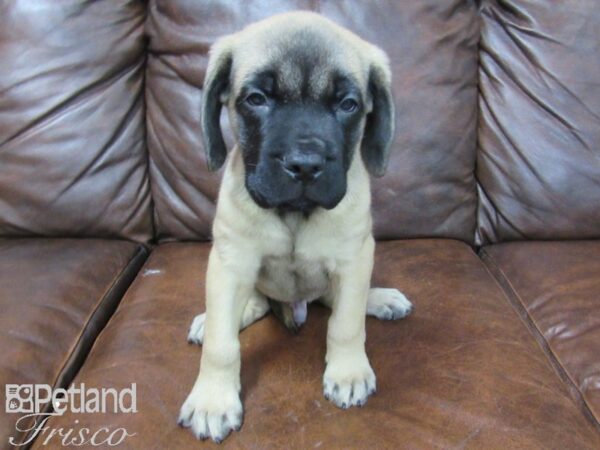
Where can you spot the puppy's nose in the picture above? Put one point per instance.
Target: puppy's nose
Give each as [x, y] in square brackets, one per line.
[303, 167]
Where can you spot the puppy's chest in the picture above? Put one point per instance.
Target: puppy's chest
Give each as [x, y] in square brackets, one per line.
[293, 278]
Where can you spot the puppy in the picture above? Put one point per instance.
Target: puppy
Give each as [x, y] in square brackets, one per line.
[312, 114]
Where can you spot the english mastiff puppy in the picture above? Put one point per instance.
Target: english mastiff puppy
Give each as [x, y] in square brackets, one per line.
[311, 111]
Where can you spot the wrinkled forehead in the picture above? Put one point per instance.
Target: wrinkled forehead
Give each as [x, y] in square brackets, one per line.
[302, 64]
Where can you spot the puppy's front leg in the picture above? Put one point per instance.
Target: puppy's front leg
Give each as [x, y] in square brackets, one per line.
[349, 378]
[213, 408]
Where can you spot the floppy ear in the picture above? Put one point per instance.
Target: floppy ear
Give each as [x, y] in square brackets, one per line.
[379, 126]
[216, 83]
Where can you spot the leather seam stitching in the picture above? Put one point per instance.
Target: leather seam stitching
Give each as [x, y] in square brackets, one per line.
[107, 293]
[73, 351]
[517, 304]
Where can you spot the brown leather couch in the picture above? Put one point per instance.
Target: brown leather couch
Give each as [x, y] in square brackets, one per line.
[486, 219]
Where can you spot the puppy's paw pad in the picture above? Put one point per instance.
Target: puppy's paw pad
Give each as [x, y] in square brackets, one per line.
[388, 304]
[211, 416]
[196, 333]
[350, 389]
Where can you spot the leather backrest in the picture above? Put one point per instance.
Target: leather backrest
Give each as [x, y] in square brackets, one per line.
[429, 189]
[538, 162]
[72, 139]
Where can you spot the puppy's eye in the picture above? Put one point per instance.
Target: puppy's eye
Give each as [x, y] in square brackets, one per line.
[349, 105]
[256, 99]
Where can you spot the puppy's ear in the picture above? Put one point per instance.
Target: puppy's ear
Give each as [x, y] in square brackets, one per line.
[216, 84]
[379, 126]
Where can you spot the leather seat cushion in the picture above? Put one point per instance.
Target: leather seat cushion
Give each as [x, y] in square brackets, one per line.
[55, 297]
[463, 370]
[556, 287]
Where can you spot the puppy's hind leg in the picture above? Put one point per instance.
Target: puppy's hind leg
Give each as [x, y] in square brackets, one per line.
[388, 304]
[256, 308]
[382, 303]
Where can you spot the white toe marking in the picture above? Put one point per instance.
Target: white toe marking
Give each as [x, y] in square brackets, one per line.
[388, 304]
[196, 333]
[349, 382]
[212, 410]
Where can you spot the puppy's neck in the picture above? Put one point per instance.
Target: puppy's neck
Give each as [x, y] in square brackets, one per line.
[293, 220]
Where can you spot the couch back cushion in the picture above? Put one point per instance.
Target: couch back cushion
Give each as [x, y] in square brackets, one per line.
[429, 189]
[72, 147]
[539, 135]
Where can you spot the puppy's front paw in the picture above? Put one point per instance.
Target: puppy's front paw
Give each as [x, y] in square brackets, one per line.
[388, 304]
[211, 411]
[349, 382]
[196, 333]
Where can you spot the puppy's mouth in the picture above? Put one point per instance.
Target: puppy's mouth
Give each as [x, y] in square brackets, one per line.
[298, 201]
[302, 204]
[292, 197]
